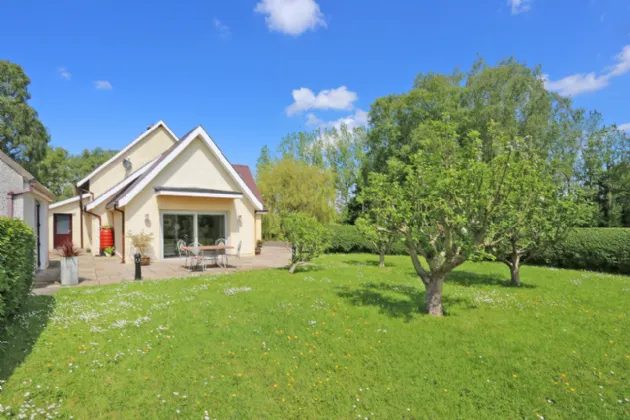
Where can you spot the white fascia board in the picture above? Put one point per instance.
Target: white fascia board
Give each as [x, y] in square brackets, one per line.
[109, 193]
[68, 201]
[199, 131]
[126, 149]
[199, 194]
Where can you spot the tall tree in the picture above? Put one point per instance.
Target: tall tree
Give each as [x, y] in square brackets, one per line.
[605, 156]
[56, 173]
[452, 152]
[22, 135]
[290, 186]
[263, 160]
[344, 154]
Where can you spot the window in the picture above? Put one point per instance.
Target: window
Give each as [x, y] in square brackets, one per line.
[204, 228]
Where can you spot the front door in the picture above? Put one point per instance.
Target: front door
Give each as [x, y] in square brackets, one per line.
[62, 233]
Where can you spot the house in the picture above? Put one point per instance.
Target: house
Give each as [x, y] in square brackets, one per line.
[22, 197]
[175, 189]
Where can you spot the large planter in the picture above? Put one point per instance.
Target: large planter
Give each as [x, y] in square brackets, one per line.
[69, 271]
[145, 260]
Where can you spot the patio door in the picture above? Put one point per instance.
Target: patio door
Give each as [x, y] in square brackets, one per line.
[191, 227]
[62, 229]
[177, 227]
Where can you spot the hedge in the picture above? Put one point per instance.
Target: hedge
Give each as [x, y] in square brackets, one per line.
[595, 249]
[346, 239]
[17, 265]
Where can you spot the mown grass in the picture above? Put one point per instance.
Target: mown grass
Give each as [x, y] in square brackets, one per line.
[344, 339]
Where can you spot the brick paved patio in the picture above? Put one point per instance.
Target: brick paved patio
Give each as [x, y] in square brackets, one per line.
[95, 271]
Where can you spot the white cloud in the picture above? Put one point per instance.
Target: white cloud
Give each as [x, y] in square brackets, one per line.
[624, 127]
[292, 17]
[576, 84]
[358, 119]
[304, 99]
[222, 29]
[623, 62]
[520, 6]
[102, 85]
[64, 73]
[312, 120]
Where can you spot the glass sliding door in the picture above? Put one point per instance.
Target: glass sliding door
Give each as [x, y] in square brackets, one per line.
[210, 227]
[191, 227]
[176, 227]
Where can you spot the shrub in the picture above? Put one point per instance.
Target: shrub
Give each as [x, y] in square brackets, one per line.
[68, 250]
[308, 238]
[347, 238]
[17, 265]
[141, 242]
[597, 249]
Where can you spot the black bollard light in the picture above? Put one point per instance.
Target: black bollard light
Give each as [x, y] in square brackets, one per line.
[137, 258]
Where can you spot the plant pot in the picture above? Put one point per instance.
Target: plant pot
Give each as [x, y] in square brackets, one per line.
[69, 271]
[257, 251]
[145, 260]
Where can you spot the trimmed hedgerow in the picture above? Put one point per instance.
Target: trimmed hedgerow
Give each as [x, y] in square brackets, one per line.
[596, 249]
[347, 238]
[17, 265]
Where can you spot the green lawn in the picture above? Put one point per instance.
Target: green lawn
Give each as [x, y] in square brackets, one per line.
[344, 339]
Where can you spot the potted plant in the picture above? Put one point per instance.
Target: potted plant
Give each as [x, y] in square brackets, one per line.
[69, 264]
[259, 245]
[141, 242]
[109, 251]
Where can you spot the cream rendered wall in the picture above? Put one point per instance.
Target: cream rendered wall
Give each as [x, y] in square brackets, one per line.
[73, 209]
[258, 227]
[140, 154]
[194, 167]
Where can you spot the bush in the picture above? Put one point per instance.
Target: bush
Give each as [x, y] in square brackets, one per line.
[17, 265]
[596, 249]
[308, 238]
[347, 238]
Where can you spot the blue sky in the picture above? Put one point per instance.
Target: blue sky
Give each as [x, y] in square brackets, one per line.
[251, 71]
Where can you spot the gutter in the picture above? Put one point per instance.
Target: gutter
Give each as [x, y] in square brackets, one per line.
[80, 194]
[123, 231]
[12, 194]
[99, 225]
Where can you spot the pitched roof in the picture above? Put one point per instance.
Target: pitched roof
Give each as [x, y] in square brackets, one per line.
[242, 175]
[26, 175]
[129, 146]
[246, 174]
[16, 167]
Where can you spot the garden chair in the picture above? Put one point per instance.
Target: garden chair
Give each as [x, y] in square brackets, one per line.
[221, 252]
[196, 257]
[182, 252]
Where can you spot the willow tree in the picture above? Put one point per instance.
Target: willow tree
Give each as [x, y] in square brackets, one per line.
[289, 186]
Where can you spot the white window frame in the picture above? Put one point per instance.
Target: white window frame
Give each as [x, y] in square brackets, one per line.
[195, 214]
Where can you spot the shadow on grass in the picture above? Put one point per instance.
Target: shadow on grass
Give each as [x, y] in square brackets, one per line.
[22, 332]
[371, 263]
[396, 301]
[467, 278]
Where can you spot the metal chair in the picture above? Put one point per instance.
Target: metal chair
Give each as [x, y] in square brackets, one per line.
[196, 257]
[221, 252]
[182, 252]
[237, 254]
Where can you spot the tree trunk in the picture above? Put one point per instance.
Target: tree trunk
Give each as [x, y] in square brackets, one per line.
[515, 267]
[434, 296]
[293, 267]
[381, 260]
[515, 274]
